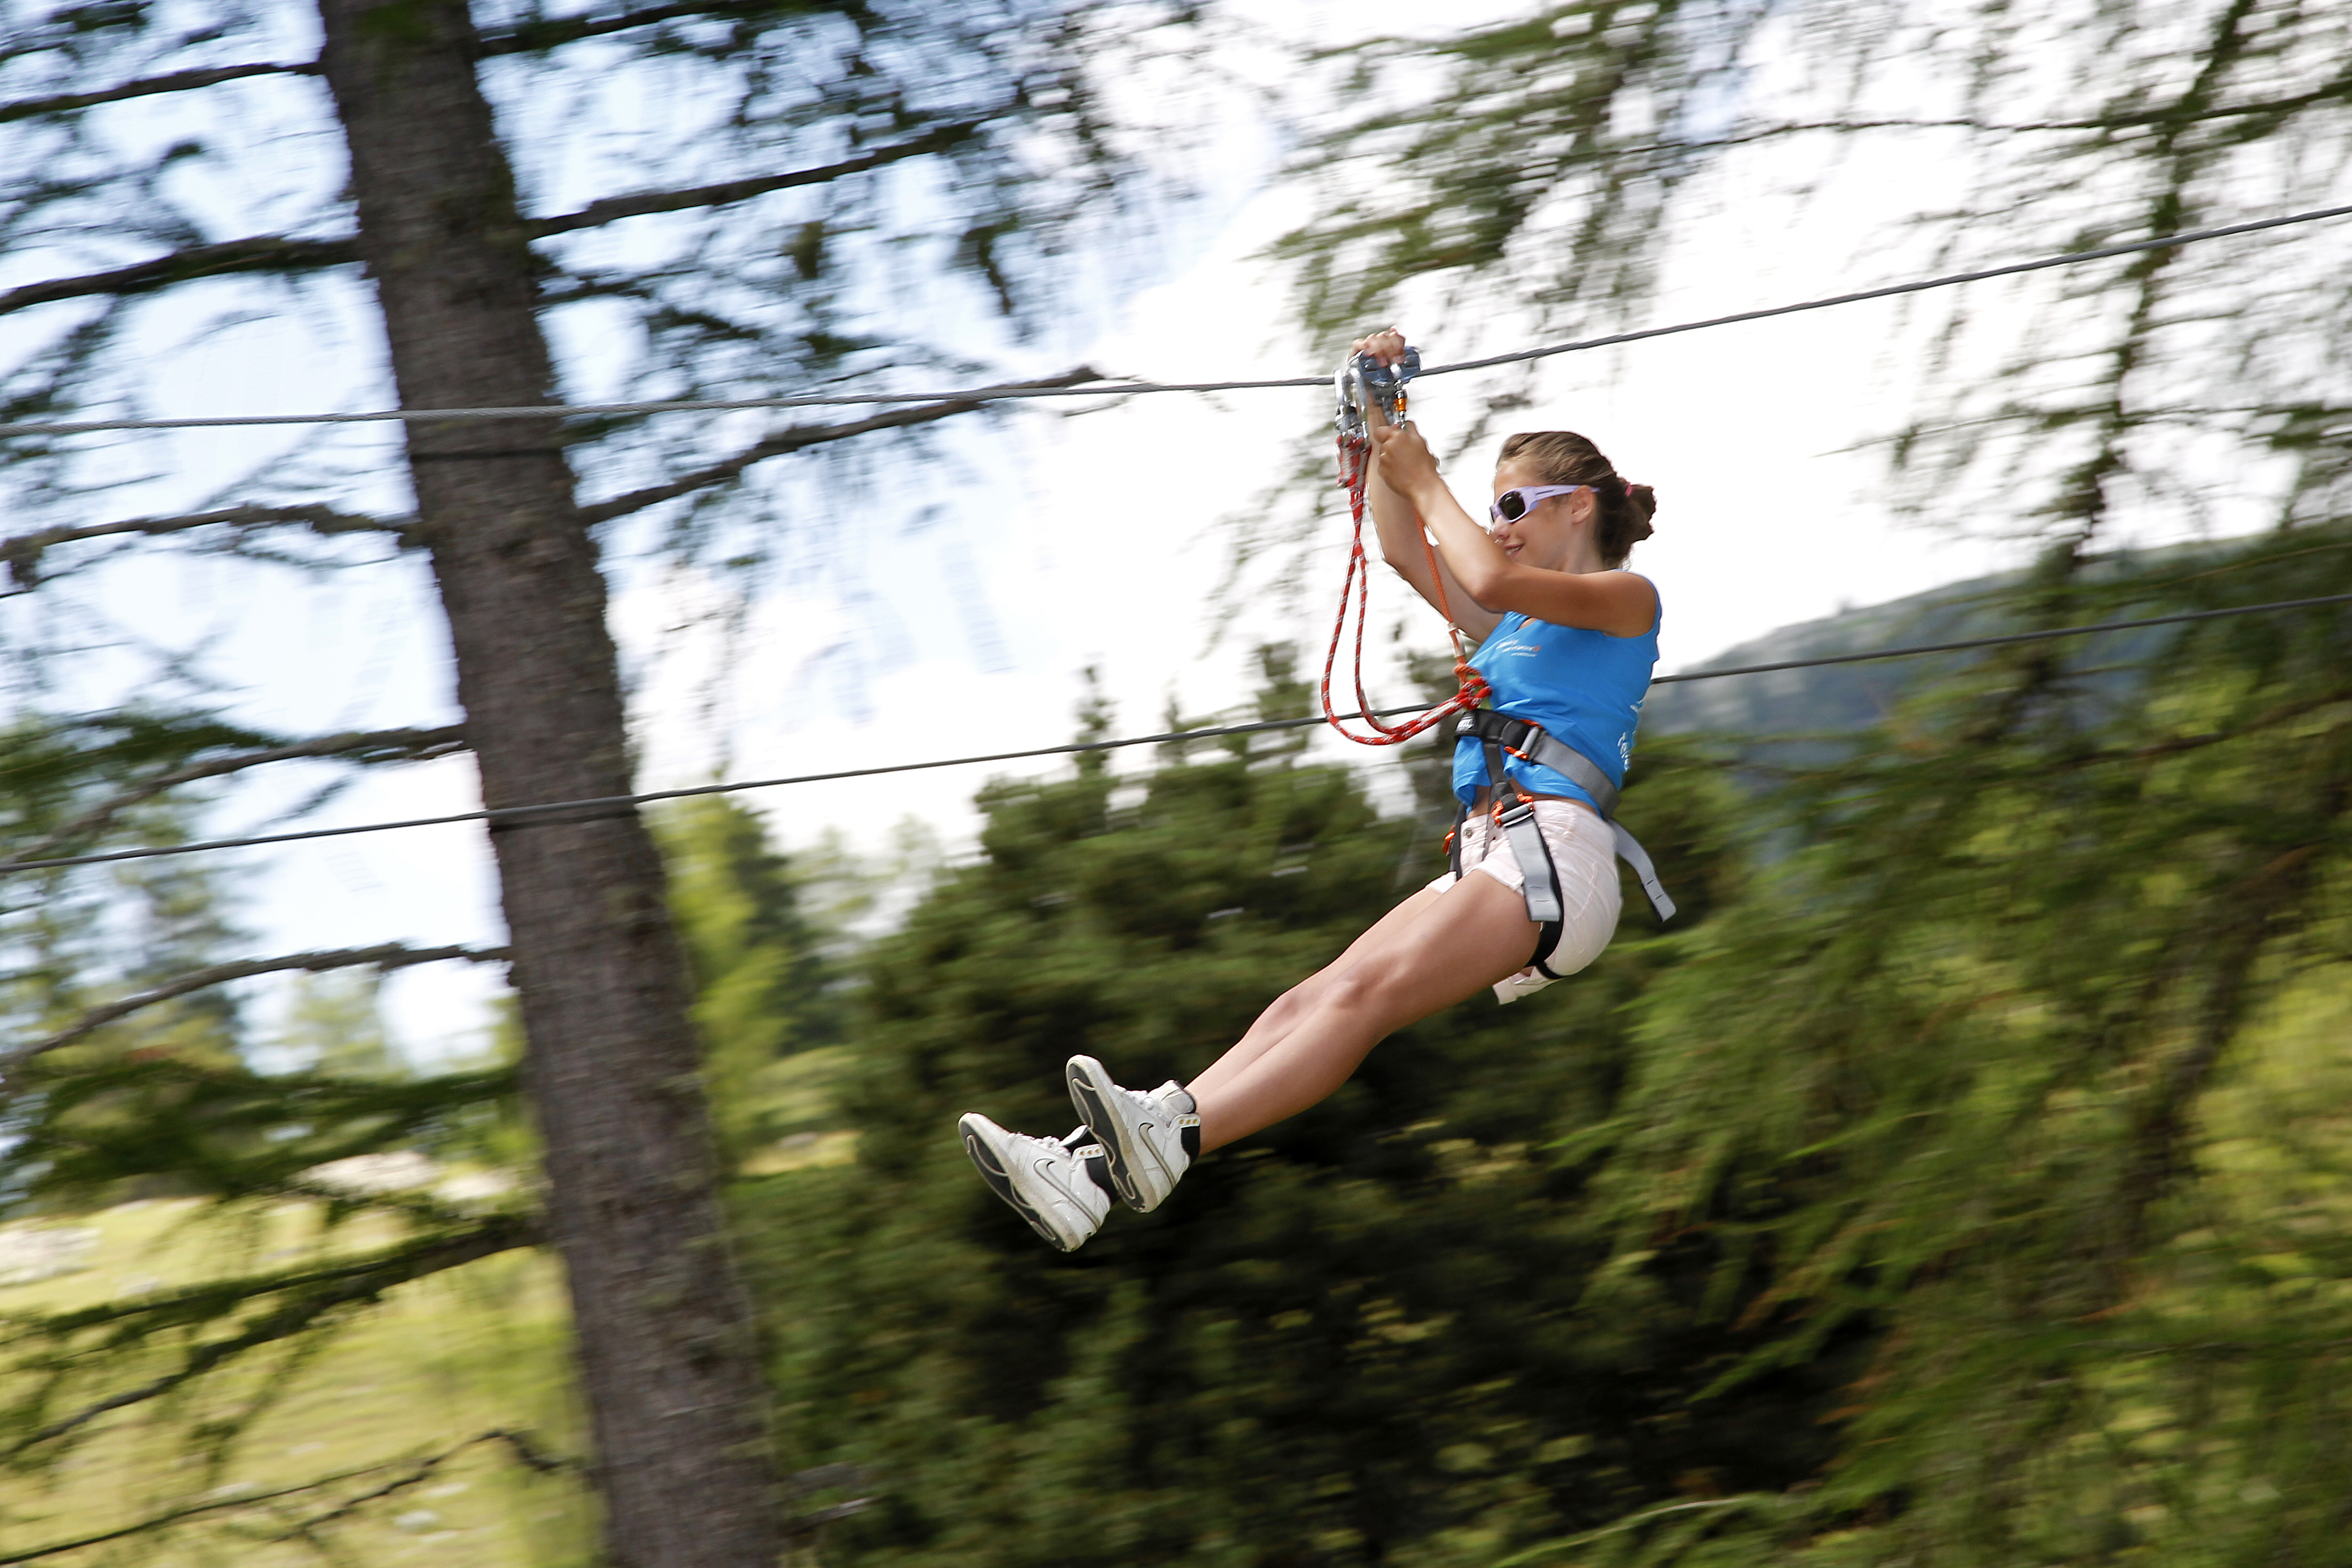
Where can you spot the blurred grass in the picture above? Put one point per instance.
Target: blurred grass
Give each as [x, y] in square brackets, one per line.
[439, 1360]
[795, 1096]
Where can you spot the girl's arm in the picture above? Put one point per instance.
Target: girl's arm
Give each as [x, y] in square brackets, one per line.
[1399, 523]
[1617, 602]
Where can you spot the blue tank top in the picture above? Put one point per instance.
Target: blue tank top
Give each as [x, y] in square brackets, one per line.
[1584, 687]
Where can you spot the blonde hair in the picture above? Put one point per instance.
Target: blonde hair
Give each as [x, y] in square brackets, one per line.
[1564, 457]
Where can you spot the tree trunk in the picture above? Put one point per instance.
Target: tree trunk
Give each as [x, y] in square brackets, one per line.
[667, 1344]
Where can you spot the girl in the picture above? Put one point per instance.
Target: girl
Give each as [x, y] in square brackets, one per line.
[1567, 641]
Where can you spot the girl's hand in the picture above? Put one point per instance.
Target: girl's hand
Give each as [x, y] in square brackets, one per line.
[1386, 346]
[1406, 463]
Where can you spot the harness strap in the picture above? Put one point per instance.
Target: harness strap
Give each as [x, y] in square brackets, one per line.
[1538, 876]
[1629, 850]
[1544, 905]
[1499, 732]
[1533, 742]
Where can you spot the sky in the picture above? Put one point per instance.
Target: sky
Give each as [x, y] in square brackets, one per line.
[971, 596]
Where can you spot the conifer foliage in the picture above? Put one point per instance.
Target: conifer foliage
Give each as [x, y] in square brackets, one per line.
[2018, 1047]
[1393, 1326]
[1959, 1187]
[2037, 1066]
[401, 172]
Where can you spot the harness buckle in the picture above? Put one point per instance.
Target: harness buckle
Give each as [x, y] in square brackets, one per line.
[1511, 734]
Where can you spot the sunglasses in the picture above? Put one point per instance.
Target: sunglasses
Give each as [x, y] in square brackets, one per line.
[1512, 505]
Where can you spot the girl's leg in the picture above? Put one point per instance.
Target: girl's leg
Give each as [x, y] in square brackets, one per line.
[1466, 938]
[1288, 1008]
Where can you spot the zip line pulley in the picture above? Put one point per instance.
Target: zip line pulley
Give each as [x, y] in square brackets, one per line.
[1362, 382]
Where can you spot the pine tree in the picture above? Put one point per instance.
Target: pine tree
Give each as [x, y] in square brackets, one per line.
[1390, 1327]
[432, 237]
[2007, 1012]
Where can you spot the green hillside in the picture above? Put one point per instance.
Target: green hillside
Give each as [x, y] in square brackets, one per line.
[1845, 698]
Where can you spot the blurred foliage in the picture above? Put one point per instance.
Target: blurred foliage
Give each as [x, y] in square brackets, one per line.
[327, 1196]
[1960, 1186]
[809, 189]
[2003, 1025]
[763, 983]
[1533, 178]
[333, 1023]
[1959, 1183]
[792, 176]
[300, 1212]
[1391, 1324]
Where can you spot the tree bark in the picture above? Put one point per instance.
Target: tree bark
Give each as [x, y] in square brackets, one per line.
[666, 1337]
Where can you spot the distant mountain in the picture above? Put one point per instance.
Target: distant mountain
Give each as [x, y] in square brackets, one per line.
[1831, 697]
[1844, 698]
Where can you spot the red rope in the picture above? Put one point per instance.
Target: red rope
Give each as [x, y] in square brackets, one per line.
[1355, 467]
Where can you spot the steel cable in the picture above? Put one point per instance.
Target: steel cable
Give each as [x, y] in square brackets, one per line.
[1111, 388]
[519, 815]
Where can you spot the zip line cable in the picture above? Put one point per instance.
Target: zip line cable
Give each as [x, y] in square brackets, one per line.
[516, 815]
[505, 816]
[1109, 388]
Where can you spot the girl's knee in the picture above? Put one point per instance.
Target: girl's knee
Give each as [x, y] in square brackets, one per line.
[1305, 996]
[1360, 990]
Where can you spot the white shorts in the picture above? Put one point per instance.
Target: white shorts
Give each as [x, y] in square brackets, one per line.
[1583, 853]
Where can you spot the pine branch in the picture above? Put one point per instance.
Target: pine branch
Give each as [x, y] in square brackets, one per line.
[275, 254]
[389, 956]
[376, 746]
[798, 438]
[556, 31]
[260, 252]
[2337, 87]
[414, 1206]
[423, 1471]
[170, 1517]
[2174, 746]
[2266, 903]
[362, 1283]
[525, 1449]
[200, 1302]
[613, 209]
[146, 87]
[22, 555]
[806, 1524]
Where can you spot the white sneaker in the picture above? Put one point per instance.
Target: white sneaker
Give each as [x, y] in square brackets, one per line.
[1149, 1143]
[1060, 1185]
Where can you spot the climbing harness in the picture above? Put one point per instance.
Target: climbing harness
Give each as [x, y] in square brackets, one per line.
[1498, 733]
[1361, 381]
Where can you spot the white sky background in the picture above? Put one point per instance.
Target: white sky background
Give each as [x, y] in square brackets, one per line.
[1064, 542]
